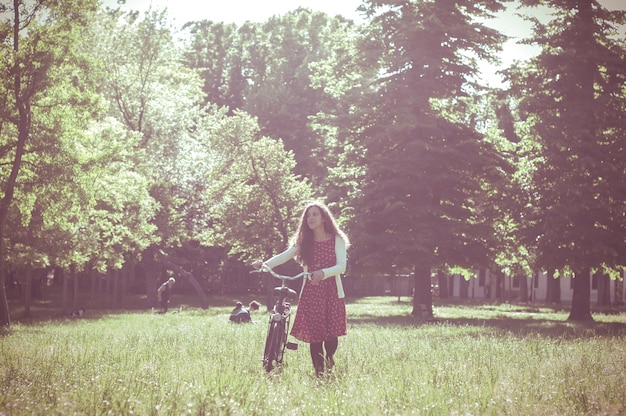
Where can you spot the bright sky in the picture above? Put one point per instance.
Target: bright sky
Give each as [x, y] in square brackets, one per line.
[240, 11]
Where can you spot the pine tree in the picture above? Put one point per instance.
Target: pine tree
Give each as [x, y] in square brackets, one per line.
[426, 168]
[572, 97]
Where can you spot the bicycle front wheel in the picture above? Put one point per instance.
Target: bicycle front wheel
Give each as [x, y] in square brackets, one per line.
[274, 345]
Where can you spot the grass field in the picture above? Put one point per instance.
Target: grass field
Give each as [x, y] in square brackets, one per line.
[490, 359]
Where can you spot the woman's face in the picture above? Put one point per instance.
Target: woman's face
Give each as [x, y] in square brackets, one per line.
[314, 218]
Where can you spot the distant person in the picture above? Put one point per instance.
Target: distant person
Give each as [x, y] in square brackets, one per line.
[241, 314]
[164, 292]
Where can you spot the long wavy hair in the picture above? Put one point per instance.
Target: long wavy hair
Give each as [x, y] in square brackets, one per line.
[304, 235]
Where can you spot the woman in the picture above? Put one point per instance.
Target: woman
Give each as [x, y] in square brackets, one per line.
[320, 247]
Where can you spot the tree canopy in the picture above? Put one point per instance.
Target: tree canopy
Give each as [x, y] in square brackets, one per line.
[571, 98]
[119, 140]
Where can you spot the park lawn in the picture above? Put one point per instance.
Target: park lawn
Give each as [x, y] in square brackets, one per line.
[477, 359]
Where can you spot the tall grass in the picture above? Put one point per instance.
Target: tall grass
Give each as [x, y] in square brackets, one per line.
[478, 360]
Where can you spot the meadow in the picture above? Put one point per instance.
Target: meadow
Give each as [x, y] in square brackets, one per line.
[473, 359]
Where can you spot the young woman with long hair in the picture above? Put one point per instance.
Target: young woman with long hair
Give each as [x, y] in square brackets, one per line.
[321, 248]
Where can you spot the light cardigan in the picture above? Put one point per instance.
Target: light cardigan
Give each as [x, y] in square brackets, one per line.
[334, 271]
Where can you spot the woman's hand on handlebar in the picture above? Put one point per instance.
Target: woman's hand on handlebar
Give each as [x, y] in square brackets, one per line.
[257, 264]
[316, 277]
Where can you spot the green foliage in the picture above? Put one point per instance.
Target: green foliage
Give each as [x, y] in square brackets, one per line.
[427, 171]
[79, 200]
[105, 210]
[215, 50]
[254, 199]
[266, 69]
[572, 100]
[214, 178]
[120, 210]
[507, 204]
[49, 101]
[153, 94]
[120, 139]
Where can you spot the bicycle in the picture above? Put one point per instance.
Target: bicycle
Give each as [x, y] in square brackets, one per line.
[279, 320]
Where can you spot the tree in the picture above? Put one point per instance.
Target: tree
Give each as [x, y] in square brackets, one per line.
[216, 179]
[427, 169]
[284, 98]
[515, 253]
[153, 94]
[254, 196]
[42, 37]
[266, 69]
[216, 51]
[572, 98]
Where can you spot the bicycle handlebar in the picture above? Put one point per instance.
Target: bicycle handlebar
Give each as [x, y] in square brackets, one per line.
[265, 268]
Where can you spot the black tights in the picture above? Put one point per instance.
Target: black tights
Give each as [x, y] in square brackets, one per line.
[317, 352]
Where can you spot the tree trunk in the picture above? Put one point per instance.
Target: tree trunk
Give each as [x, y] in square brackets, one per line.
[581, 297]
[619, 292]
[182, 272]
[5, 319]
[443, 285]
[66, 279]
[28, 274]
[94, 286]
[151, 271]
[493, 284]
[108, 289]
[500, 289]
[38, 278]
[451, 285]
[553, 294]
[23, 127]
[604, 289]
[463, 288]
[199, 291]
[75, 291]
[124, 285]
[115, 275]
[101, 290]
[523, 289]
[422, 298]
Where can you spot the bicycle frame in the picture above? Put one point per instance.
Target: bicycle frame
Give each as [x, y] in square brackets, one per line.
[279, 320]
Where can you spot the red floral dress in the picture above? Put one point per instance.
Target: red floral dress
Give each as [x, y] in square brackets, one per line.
[321, 314]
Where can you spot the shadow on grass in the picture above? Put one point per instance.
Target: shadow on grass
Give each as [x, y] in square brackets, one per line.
[51, 309]
[549, 328]
[475, 316]
[487, 318]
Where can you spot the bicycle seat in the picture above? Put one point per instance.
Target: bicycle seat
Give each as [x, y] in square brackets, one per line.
[290, 293]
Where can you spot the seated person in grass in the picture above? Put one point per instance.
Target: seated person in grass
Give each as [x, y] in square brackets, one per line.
[241, 314]
[78, 313]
